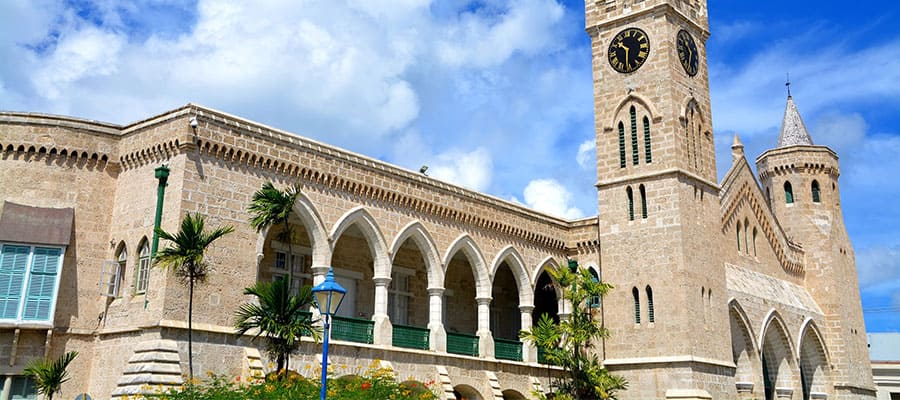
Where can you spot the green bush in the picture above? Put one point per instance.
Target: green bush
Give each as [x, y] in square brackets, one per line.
[375, 383]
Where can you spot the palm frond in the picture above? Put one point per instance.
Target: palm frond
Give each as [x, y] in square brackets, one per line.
[49, 375]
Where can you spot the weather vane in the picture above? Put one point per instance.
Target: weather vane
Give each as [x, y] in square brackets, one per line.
[788, 84]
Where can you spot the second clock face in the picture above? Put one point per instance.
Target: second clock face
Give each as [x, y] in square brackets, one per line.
[628, 50]
[687, 52]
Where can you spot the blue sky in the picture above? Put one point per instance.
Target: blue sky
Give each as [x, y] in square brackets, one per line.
[494, 95]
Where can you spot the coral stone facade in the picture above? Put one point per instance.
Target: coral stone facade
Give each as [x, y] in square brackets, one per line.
[735, 289]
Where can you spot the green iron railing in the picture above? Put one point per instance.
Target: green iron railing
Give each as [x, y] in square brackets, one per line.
[458, 343]
[352, 329]
[506, 349]
[411, 337]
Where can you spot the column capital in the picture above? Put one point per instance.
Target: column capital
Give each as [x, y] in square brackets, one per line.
[320, 269]
[436, 291]
[381, 280]
[526, 309]
[485, 301]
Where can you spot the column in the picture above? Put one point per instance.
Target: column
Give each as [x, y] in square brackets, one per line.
[383, 329]
[7, 387]
[485, 338]
[319, 272]
[437, 335]
[529, 351]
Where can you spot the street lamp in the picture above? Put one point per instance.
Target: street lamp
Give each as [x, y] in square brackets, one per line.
[328, 297]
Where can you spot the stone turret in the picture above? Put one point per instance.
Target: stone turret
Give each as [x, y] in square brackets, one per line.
[801, 182]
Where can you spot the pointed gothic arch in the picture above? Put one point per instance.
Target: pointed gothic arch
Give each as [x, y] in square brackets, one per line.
[474, 255]
[516, 264]
[420, 236]
[309, 217]
[777, 354]
[744, 351]
[374, 238]
[814, 360]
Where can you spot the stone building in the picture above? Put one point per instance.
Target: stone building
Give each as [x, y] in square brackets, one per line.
[733, 288]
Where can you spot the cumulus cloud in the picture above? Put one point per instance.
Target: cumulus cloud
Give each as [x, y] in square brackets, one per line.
[878, 265]
[551, 197]
[587, 154]
[471, 169]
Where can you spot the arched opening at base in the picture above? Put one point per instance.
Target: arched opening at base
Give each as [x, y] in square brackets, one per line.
[466, 392]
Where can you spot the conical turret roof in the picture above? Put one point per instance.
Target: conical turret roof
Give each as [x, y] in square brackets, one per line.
[793, 131]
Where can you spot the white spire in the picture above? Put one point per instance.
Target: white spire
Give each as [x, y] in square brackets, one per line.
[793, 131]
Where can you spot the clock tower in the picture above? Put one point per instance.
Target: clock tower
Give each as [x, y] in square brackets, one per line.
[658, 199]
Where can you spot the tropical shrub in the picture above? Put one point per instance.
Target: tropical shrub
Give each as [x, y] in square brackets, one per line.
[375, 382]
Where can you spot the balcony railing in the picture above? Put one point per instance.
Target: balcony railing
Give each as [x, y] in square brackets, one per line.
[458, 343]
[411, 337]
[506, 349]
[352, 329]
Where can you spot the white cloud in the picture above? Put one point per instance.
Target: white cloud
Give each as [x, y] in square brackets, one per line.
[469, 169]
[551, 197]
[83, 54]
[878, 266]
[587, 154]
[477, 41]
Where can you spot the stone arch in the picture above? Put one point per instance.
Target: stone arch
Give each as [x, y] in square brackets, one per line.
[374, 238]
[814, 360]
[744, 351]
[417, 232]
[636, 99]
[467, 392]
[777, 354]
[512, 394]
[517, 266]
[465, 244]
[312, 221]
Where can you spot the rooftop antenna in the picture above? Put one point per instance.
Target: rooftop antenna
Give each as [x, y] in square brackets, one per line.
[788, 84]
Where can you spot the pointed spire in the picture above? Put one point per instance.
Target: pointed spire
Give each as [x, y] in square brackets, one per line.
[737, 148]
[793, 131]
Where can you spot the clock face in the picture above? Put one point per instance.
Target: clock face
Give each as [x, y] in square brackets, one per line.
[687, 52]
[628, 50]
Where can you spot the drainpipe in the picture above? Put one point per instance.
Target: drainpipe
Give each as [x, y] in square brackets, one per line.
[162, 174]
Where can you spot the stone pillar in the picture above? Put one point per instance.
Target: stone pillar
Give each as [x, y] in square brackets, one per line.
[319, 272]
[485, 338]
[529, 351]
[7, 387]
[437, 335]
[383, 329]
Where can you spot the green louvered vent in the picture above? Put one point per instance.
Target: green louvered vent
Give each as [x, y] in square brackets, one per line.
[506, 349]
[647, 152]
[411, 337]
[634, 137]
[458, 343]
[621, 145]
[353, 329]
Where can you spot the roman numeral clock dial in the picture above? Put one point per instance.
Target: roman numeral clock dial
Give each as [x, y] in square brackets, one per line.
[628, 50]
[687, 52]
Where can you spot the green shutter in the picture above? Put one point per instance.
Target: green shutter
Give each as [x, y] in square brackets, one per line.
[647, 153]
[634, 139]
[13, 264]
[41, 284]
[630, 203]
[621, 145]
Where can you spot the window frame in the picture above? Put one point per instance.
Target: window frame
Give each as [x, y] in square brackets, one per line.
[142, 272]
[19, 320]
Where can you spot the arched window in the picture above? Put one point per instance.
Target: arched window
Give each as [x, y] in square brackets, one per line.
[647, 153]
[739, 236]
[121, 260]
[595, 300]
[643, 202]
[816, 196]
[630, 194]
[142, 273]
[621, 145]
[788, 193]
[754, 241]
[650, 317]
[747, 236]
[637, 305]
[634, 137]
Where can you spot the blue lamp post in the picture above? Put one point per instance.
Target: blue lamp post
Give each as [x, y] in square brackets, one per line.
[328, 296]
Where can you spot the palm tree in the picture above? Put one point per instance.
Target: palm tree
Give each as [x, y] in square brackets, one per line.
[49, 375]
[279, 316]
[271, 206]
[185, 257]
